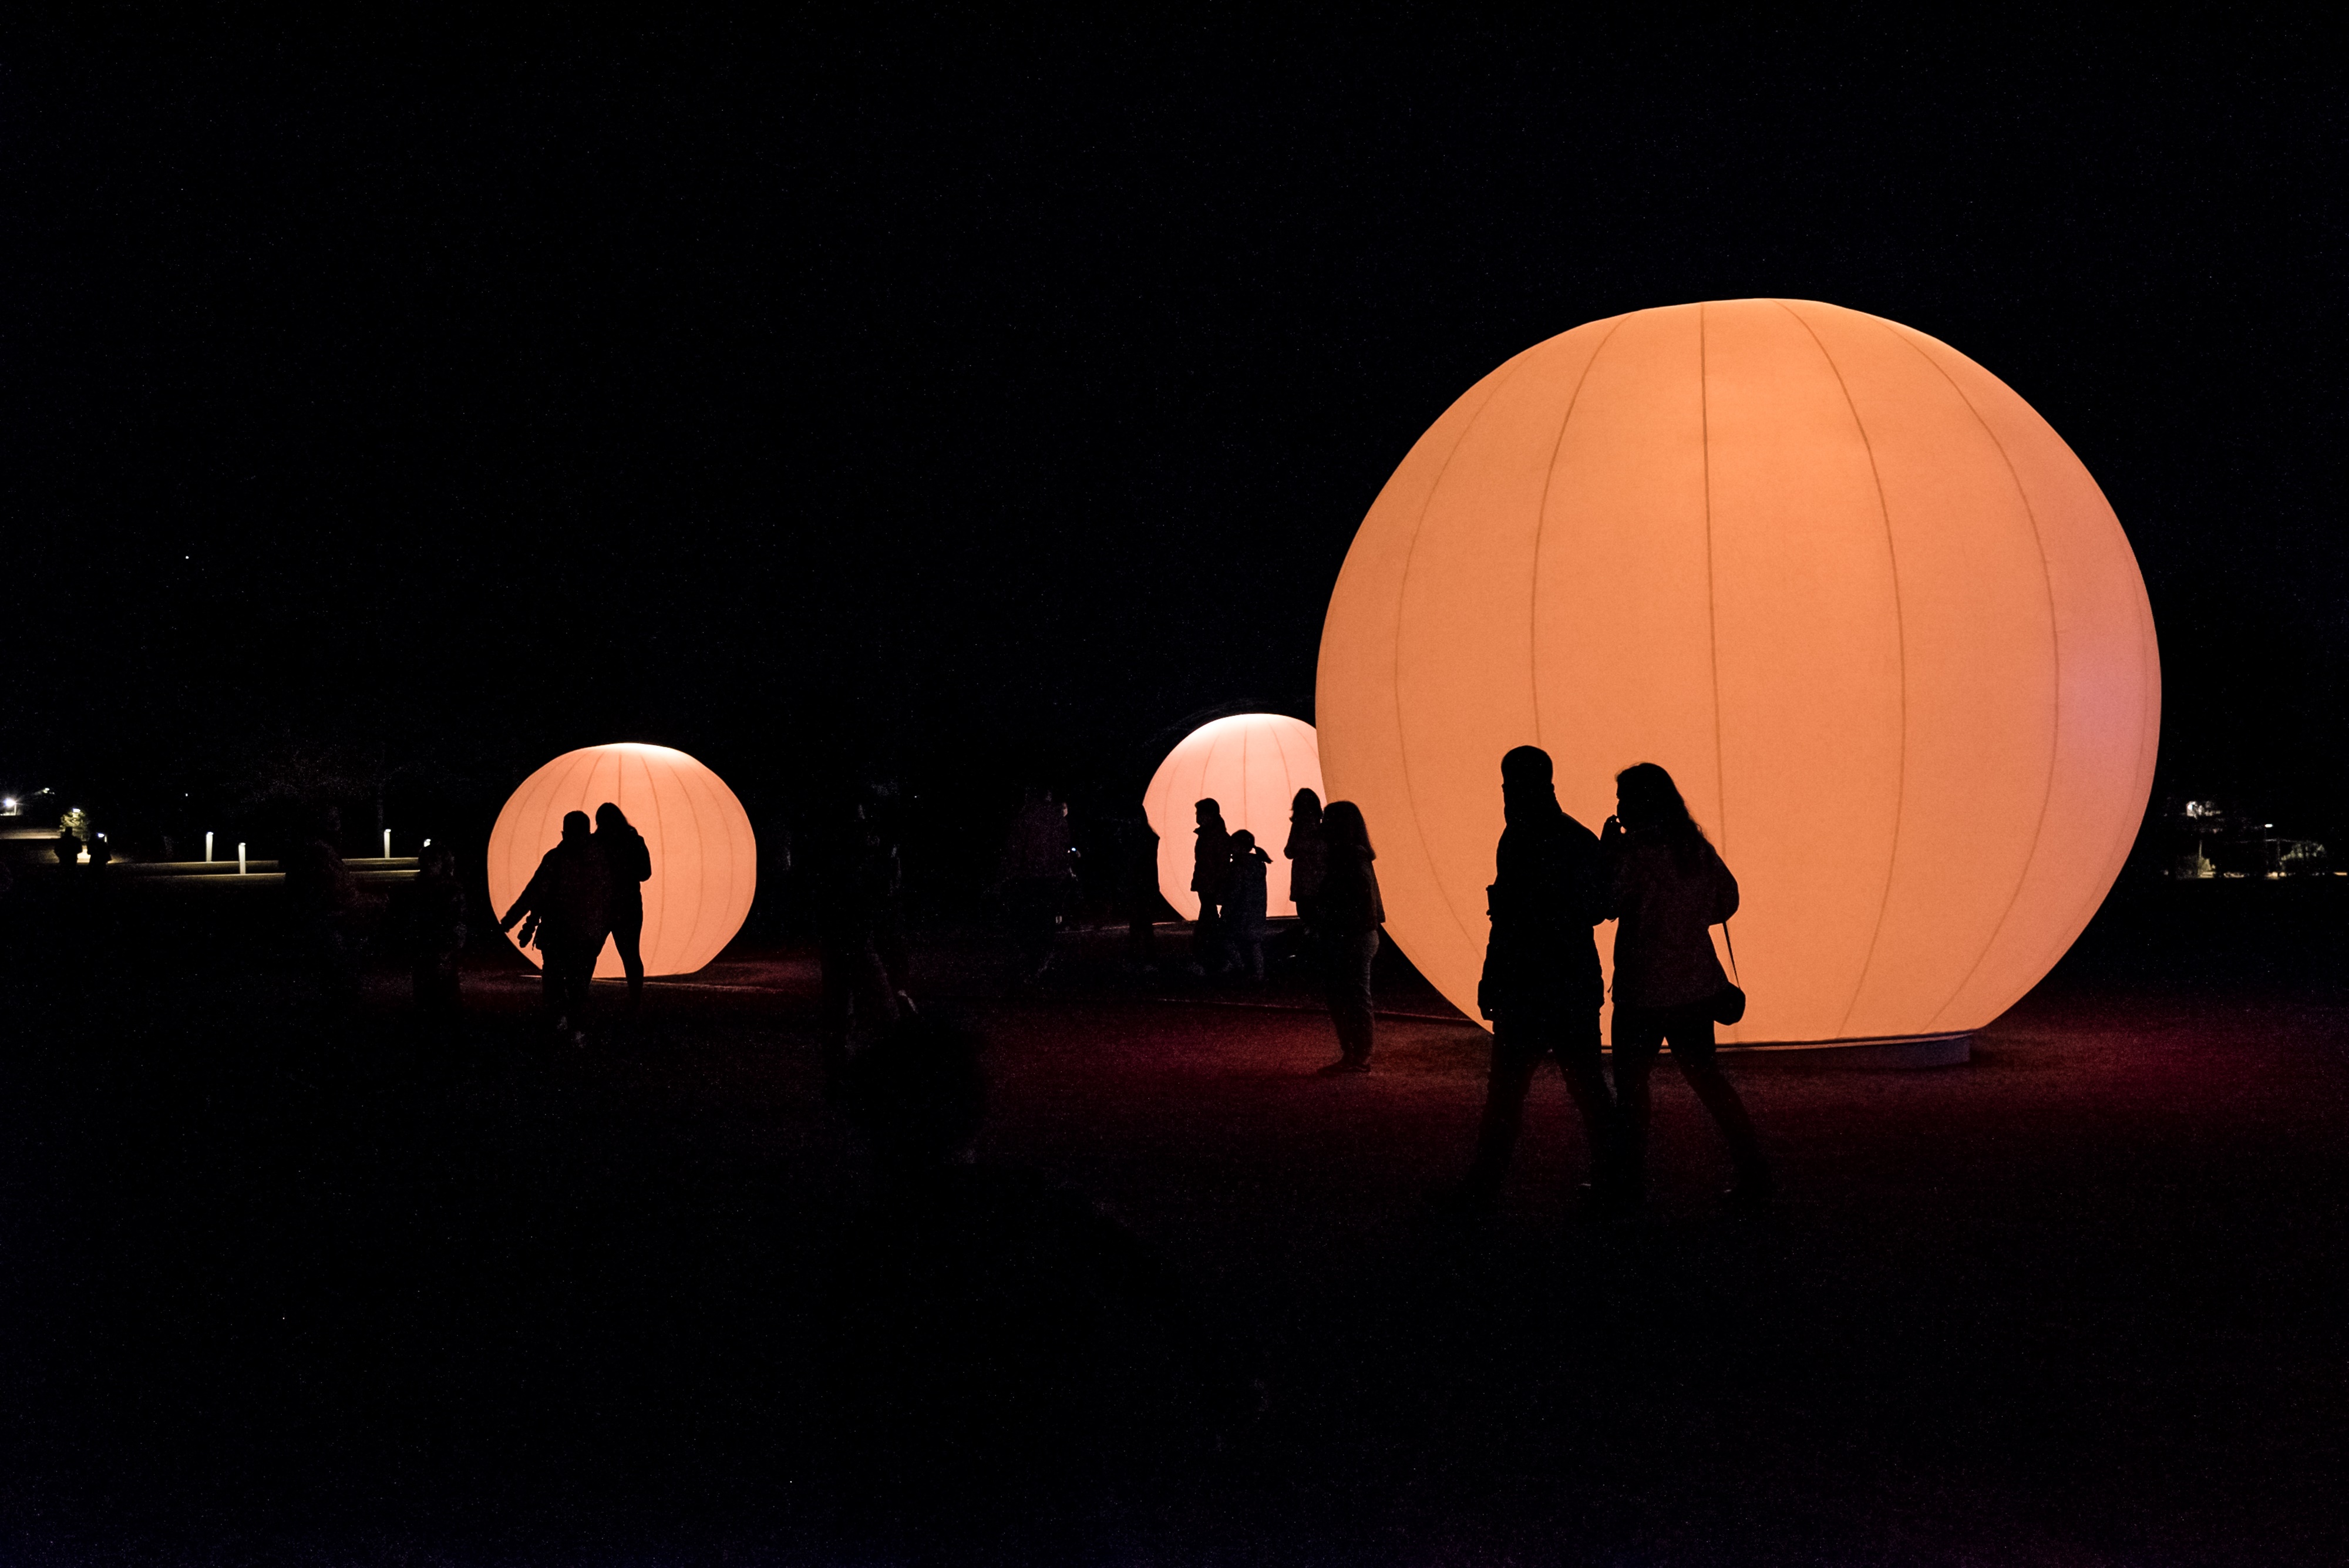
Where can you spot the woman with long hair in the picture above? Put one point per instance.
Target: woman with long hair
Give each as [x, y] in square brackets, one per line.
[1667, 889]
[1351, 914]
[1305, 858]
[630, 865]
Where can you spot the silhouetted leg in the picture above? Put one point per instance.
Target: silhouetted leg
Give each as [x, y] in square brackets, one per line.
[1638, 1035]
[1351, 1006]
[1694, 1054]
[1586, 1084]
[1513, 1061]
[627, 937]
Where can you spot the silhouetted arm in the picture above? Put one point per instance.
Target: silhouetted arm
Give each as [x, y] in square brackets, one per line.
[1724, 894]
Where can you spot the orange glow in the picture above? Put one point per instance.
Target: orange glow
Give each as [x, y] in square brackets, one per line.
[1252, 765]
[1857, 596]
[705, 861]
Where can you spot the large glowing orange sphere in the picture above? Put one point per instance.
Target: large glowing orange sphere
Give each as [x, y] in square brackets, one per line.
[1860, 598]
[705, 861]
[1251, 764]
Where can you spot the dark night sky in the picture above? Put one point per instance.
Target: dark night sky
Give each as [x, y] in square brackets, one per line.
[951, 392]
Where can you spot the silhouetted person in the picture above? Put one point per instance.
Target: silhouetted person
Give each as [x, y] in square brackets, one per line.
[1541, 985]
[630, 866]
[1138, 892]
[1666, 887]
[857, 879]
[322, 901]
[436, 930]
[1244, 904]
[101, 853]
[1351, 913]
[1305, 855]
[568, 902]
[68, 848]
[995, 1336]
[1211, 872]
[1038, 873]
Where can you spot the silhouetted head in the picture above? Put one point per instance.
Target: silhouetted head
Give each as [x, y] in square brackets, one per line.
[611, 818]
[918, 1095]
[1526, 782]
[1305, 807]
[574, 826]
[1243, 841]
[1210, 813]
[1646, 798]
[1523, 766]
[1342, 827]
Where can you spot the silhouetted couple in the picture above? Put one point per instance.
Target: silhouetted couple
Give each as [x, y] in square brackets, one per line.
[1229, 872]
[1655, 874]
[587, 888]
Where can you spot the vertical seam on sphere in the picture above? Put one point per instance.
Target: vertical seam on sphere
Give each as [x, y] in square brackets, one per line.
[1900, 630]
[1246, 732]
[688, 778]
[1711, 617]
[1394, 679]
[660, 820]
[2054, 640]
[1541, 523]
[659, 902]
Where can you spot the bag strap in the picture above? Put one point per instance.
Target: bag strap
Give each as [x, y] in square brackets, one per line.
[1731, 942]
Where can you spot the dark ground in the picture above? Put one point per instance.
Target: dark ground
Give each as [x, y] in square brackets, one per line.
[282, 1291]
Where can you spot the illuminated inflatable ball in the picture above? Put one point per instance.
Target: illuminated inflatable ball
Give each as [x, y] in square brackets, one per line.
[705, 861]
[1858, 597]
[1252, 765]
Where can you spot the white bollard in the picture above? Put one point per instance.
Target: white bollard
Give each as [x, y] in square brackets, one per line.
[240, 858]
[386, 843]
[207, 848]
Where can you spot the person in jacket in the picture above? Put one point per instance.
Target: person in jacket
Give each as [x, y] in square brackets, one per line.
[435, 913]
[1666, 888]
[1038, 879]
[1305, 858]
[1211, 872]
[1351, 914]
[1541, 985]
[569, 905]
[629, 865]
[1244, 904]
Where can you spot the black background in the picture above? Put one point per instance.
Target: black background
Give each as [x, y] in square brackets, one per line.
[974, 403]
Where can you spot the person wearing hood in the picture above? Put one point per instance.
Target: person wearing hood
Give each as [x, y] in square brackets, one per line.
[1244, 906]
[568, 904]
[1351, 913]
[1541, 987]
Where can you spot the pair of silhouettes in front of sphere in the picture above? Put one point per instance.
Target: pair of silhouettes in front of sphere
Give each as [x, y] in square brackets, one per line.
[1336, 890]
[587, 888]
[1652, 871]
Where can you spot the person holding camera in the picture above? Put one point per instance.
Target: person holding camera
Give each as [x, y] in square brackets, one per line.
[1666, 887]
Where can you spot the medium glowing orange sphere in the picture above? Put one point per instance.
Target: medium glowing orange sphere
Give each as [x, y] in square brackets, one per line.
[1858, 597]
[705, 860]
[1251, 764]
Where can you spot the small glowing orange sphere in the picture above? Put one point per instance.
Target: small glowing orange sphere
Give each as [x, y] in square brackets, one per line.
[705, 860]
[1251, 764]
[1857, 596]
